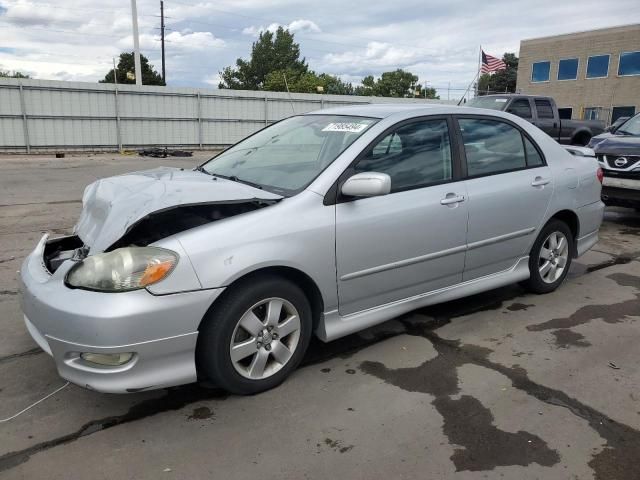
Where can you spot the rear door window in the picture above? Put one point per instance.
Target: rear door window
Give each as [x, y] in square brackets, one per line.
[491, 146]
[544, 108]
[521, 108]
[534, 159]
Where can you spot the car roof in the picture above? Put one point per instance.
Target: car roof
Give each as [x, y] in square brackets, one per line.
[384, 110]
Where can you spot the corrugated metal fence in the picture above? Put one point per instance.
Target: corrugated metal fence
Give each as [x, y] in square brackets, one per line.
[45, 115]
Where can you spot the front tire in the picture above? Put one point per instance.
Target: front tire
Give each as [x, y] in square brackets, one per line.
[550, 257]
[255, 335]
[581, 140]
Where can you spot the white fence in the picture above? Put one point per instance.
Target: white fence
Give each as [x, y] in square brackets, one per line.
[44, 115]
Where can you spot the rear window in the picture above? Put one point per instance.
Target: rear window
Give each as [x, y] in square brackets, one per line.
[494, 103]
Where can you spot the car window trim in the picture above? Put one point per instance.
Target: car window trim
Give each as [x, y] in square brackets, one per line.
[523, 135]
[333, 195]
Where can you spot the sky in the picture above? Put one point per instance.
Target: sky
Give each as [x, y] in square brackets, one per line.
[438, 40]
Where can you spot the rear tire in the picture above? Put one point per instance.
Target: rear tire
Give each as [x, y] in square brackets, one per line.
[255, 335]
[550, 257]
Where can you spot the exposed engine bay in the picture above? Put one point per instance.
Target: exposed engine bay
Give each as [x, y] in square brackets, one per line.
[150, 229]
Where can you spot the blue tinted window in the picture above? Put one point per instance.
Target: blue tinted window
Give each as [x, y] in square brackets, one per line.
[598, 66]
[568, 69]
[629, 63]
[540, 72]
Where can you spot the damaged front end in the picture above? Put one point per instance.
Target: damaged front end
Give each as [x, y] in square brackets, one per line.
[138, 209]
[163, 224]
[149, 229]
[59, 250]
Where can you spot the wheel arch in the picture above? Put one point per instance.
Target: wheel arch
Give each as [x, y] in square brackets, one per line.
[296, 276]
[583, 132]
[570, 218]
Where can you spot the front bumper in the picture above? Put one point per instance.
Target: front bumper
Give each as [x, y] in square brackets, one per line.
[621, 192]
[161, 330]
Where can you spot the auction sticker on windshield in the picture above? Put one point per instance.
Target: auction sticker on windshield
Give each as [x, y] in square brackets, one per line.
[345, 127]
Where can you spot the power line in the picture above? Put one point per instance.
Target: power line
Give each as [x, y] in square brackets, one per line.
[266, 20]
[70, 32]
[216, 25]
[308, 37]
[228, 12]
[85, 8]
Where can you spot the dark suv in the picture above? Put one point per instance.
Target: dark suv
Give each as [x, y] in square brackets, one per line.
[618, 152]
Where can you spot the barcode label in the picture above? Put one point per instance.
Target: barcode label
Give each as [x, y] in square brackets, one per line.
[345, 127]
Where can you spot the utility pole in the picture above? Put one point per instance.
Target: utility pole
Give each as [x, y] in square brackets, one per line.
[164, 78]
[136, 42]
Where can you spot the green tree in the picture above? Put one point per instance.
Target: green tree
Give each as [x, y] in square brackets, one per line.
[501, 81]
[126, 64]
[14, 74]
[306, 82]
[428, 92]
[334, 85]
[397, 83]
[368, 87]
[297, 81]
[270, 53]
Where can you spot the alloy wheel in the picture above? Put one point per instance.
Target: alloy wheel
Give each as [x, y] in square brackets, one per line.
[553, 258]
[265, 338]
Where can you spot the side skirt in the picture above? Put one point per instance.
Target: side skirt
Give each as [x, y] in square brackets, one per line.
[334, 326]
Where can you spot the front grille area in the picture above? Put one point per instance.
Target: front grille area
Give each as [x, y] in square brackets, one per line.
[623, 161]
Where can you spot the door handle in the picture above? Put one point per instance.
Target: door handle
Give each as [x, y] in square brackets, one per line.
[540, 182]
[452, 198]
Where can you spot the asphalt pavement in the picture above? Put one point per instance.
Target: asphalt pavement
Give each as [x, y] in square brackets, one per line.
[501, 385]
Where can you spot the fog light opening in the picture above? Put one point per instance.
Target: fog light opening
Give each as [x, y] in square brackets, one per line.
[107, 359]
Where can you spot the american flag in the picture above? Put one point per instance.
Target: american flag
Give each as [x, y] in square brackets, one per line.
[491, 64]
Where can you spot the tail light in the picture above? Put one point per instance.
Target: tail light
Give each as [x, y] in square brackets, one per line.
[600, 174]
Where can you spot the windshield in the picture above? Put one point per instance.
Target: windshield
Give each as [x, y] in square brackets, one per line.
[631, 126]
[494, 103]
[285, 157]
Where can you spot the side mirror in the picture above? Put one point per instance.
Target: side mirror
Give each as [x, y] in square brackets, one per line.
[367, 184]
[611, 128]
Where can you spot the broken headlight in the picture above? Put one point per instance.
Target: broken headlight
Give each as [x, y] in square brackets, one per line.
[123, 269]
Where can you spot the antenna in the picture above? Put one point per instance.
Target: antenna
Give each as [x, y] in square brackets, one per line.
[290, 99]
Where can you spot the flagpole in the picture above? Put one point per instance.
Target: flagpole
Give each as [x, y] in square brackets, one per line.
[478, 72]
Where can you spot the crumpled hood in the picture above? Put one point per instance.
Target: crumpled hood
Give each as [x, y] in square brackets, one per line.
[616, 144]
[112, 205]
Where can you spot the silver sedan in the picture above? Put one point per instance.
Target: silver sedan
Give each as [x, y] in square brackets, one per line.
[322, 224]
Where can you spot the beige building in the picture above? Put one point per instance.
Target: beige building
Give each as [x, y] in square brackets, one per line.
[591, 75]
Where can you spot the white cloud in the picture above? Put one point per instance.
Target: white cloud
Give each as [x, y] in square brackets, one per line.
[213, 79]
[194, 40]
[296, 26]
[24, 12]
[302, 25]
[375, 55]
[178, 42]
[76, 40]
